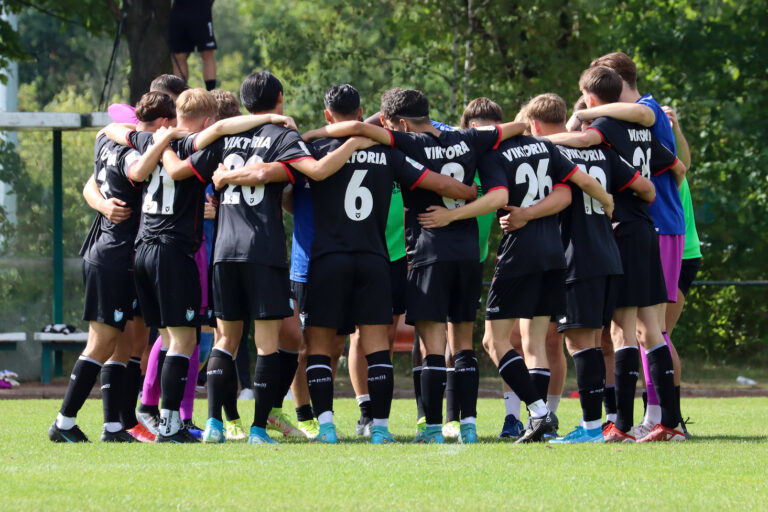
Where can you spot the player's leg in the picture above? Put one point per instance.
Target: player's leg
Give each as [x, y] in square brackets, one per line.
[182, 342]
[291, 340]
[209, 69]
[320, 341]
[380, 376]
[266, 377]
[609, 358]
[417, 358]
[113, 384]
[433, 377]
[534, 336]
[452, 396]
[512, 426]
[626, 372]
[138, 333]
[467, 378]
[557, 367]
[148, 412]
[358, 376]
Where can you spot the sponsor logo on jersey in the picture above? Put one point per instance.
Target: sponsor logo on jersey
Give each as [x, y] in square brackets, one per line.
[588, 155]
[371, 157]
[636, 135]
[190, 314]
[449, 153]
[527, 150]
[248, 142]
[118, 315]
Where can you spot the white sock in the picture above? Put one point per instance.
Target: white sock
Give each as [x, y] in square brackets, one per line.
[591, 425]
[325, 417]
[362, 399]
[512, 404]
[538, 409]
[64, 422]
[553, 402]
[471, 420]
[170, 422]
[113, 426]
[652, 415]
[383, 422]
[611, 417]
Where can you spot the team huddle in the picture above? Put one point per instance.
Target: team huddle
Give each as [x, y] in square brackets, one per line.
[391, 217]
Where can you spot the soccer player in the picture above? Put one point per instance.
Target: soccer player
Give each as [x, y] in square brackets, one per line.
[642, 287]
[594, 263]
[107, 273]
[191, 26]
[444, 284]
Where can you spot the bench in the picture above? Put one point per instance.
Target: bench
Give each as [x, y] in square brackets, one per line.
[8, 340]
[56, 344]
[403, 337]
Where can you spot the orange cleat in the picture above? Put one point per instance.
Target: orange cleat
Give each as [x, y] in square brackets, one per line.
[141, 434]
[662, 433]
[611, 434]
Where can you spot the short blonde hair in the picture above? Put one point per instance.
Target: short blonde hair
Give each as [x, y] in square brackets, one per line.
[196, 104]
[228, 105]
[547, 108]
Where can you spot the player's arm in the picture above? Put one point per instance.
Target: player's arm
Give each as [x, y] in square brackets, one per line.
[643, 188]
[438, 216]
[447, 187]
[554, 203]
[251, 175]
[141, 170]
[288, 199]
[321, 169]
[118, 132]
[683, 150]
[631, 112]
[176, 168]
[576, 139]
[593, 188]
[239, 124]
[113, 208]
[507, 130]
[678, 171]
[349, 129]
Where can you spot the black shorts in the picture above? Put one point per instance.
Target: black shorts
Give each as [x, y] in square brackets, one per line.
[444, 292]
[528, 296]
[348, 288]
[589, 303]
[243, 291]
[398, 274]
[688, 272]
[643, 282]
[168, 286]
[190, 28]
[299, 296]
[109, 295]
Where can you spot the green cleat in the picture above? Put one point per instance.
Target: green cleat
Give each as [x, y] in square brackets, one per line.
[468, 434]
[381, 435]
[234, 430]
[310, 428]
[326, 434]
[214, 431]
[430, 435]
[421, 425]
[279, 422]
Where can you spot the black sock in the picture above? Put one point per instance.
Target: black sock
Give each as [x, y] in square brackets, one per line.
[626, 371]
[153, 409]
[540, 381]
[452, 406]
[663, 377]
[130, 393]
[304, 413]
[609, 400]
[289, 361]
[366, 408]
[230, 397]
[381, 383]
[266, 380]
[81, 382]
[112, 384]
[221, 370]
[677, 404]
[174, 379]
[467, 383]
[320, 382]
[645, 399]
[514, 372]
[417, 365]
[210, 85]
[432, 388]
[590, 383]
[243, 359]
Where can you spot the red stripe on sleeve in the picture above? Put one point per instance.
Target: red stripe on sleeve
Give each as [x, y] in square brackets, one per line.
[194, 142]
[128, 140]
[391, 139]
[500, 187]
[289, 173]
[607, 144]
[296, 159]
[498, 140]
[562, 185]
[575, 168]
[666, 168]
[630, 182]
[421, 178]
[189, 163]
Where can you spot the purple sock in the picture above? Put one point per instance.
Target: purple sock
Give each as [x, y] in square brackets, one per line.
[188, 402]
[649, 388]
[150, 393]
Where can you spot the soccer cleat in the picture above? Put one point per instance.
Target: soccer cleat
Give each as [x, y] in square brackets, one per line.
[611, 434]
[421, 424]
[430, 435]
[662, 433]
[150, 420]
[513, 427]
[684, 427]
[467, 434]
[640, 430]
[279, 422]
[121, 436]
[381, 435]
[234, 431]
[72, 435]
[538, 427]
[193, 429]
[259, 436]
[326, 434]
[310, 428]
[580, 435]
[141, 434]
[451, 429]
[214, 431]
[183, 436]
[363, 426]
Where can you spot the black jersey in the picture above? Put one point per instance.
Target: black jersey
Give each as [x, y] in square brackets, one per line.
[530, 168]
[109, 244]
[250, 219]
[352, 205]
[172, 211]
[590, 246]
[455, 154]
[638, 146]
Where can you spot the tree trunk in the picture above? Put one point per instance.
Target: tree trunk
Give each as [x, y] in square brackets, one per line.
[146, 30]
[468, 51]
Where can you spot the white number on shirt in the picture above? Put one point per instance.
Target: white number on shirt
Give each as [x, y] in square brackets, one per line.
[539, 183]
[251, 195]
[642, 160]
[456, 171]
[358, 201]
[159, 179]
[104, 188]
[592, 205]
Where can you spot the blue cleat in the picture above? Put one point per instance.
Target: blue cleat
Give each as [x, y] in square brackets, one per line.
[580, 435]
[468, 434]
[430, 435]
[326, 434]
[259, 436]
[381, 435]
[513, 427]
[214, 431]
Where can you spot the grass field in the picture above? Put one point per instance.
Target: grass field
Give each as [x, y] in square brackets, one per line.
[723, 467]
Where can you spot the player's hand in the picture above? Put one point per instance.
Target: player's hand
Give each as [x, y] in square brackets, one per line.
[435, 217]
[219, 177]
[671, 115]
[363, 142]
[161, 135]
[474, 188]
[210, 207]
[115, 210]
[514, 220]
[286, 121]
[608, 208]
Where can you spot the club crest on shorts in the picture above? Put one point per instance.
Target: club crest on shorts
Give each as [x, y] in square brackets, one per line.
[190, 314]
[135, 303]
[118, 315]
